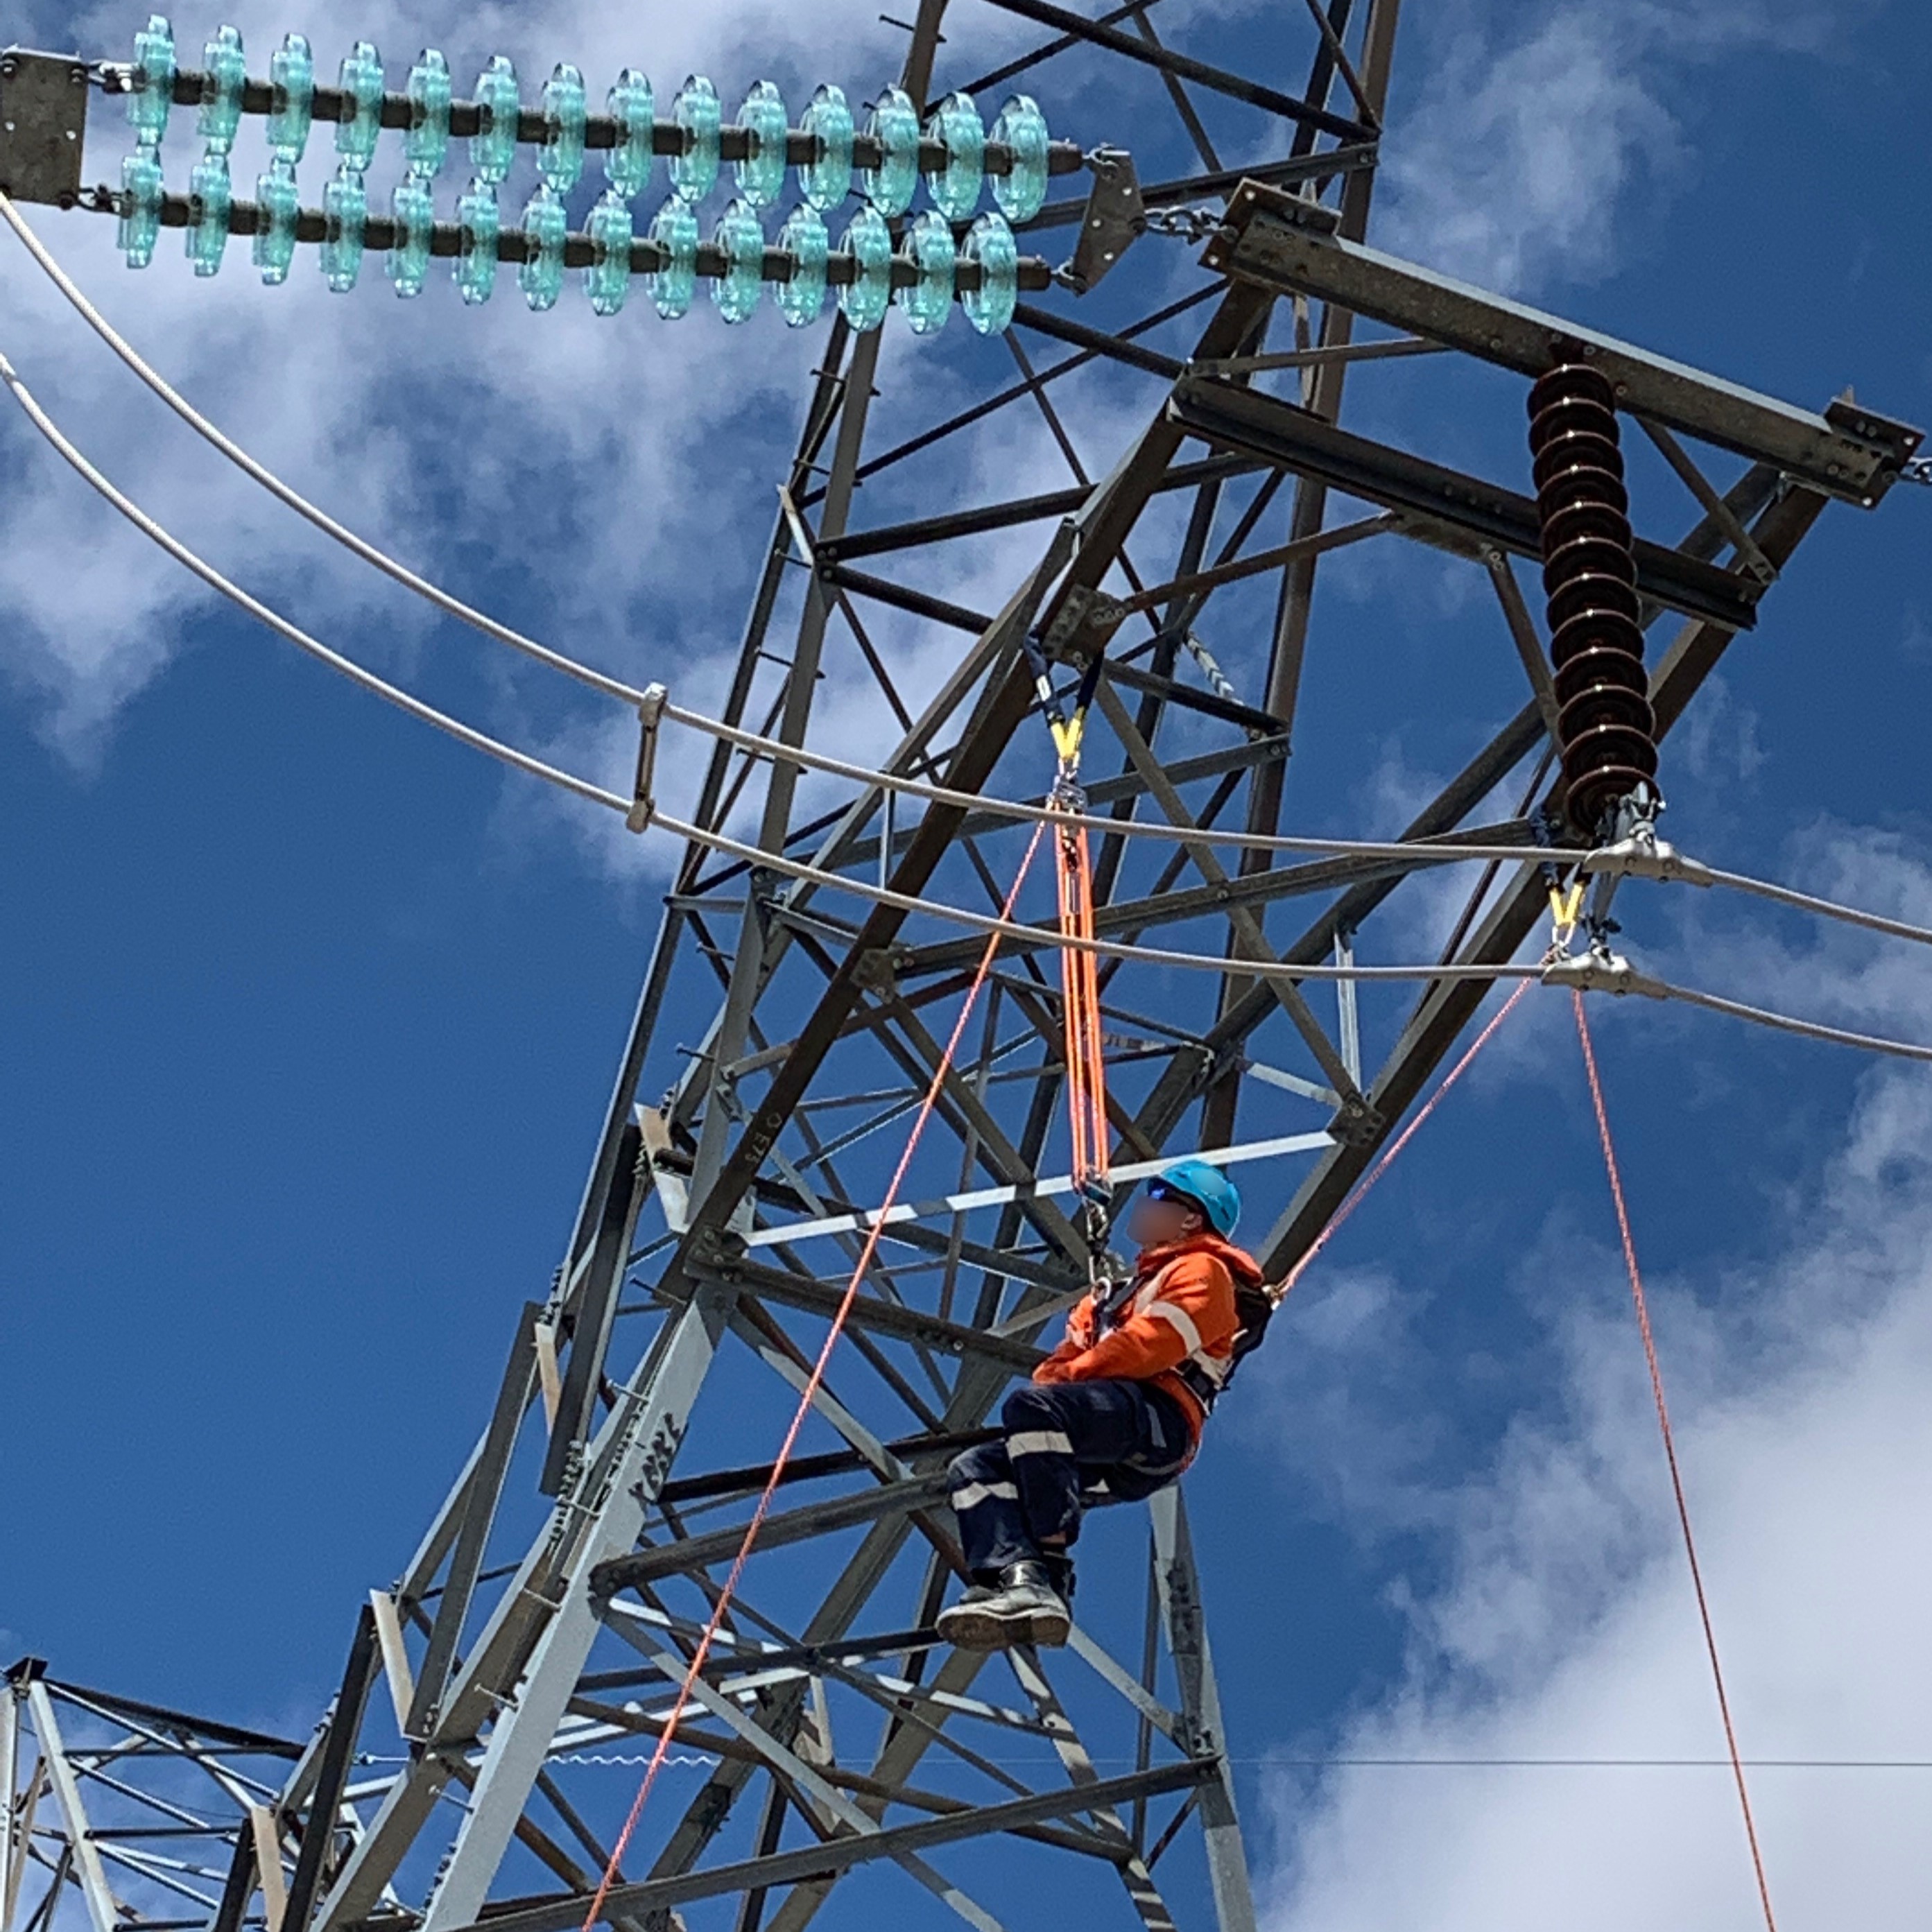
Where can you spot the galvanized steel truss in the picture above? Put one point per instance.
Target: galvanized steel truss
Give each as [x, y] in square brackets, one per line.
[508, 1649]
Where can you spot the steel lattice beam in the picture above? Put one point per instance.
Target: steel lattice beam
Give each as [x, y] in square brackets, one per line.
[529, 1629]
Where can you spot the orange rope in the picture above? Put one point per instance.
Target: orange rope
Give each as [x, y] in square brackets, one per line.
[813, 1382]
[1080, 990]
[1670, 1450]
[1401, 1140]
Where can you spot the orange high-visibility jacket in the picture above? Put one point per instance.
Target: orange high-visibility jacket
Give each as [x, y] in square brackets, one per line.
[1179, 1307]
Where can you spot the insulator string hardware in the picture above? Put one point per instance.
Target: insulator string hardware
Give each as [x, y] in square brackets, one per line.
[945, 254]
[649, 254]
[1606, 730]
[153, 84]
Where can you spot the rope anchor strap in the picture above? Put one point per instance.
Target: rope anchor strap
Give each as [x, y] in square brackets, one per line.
[1080, 999]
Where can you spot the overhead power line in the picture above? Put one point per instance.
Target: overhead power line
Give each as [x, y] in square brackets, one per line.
[1677, 867]
[1616, 977]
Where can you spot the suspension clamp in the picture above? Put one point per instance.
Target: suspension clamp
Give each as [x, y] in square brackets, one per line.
[1918, 470]
[1601, 970]
[1644, 855]
[650, 713]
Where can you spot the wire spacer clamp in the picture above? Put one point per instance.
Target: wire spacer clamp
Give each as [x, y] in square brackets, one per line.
[650, 714]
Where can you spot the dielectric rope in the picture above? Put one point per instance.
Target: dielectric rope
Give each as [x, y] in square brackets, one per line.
[884, 895]
[1401, 1140]
[806, 1397]
[1642, 1306]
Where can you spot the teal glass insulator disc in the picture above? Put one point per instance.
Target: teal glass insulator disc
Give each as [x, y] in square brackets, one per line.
[211, 198]
[927, 301]
[139, 225]
[894, 124]
[990, 243]
[154, 81]
[927, 298]
[540, 273]
[560, 159]
[955, 184]
[362, 80]
[1021, 127]
[761, 173]
[627, 162]
[493, 146]
[426, 139]
[740, 239]
[292, 81]
[279, 201]
[224, 69]
[482, 222]
[607, 280]
[695, 173]
[674, 282]
[826, 180]
[801, 299]
[345, 208]
[864, 300]
[413, 209]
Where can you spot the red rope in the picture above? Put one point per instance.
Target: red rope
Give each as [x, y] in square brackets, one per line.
[1401, 1140]
[805, 1402]
[1670, 1450]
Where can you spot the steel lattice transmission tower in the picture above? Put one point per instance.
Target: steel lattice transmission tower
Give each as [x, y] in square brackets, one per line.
[531, 1629]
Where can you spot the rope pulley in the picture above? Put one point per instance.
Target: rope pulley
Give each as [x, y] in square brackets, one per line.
[1606, 730]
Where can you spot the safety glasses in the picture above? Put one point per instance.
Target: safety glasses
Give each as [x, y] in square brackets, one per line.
[1160, 1190]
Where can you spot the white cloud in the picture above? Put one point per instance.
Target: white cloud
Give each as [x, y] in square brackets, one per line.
[1537, 128]
[1563, 1625]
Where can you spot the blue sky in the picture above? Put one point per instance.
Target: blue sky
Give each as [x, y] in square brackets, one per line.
[312, 1014]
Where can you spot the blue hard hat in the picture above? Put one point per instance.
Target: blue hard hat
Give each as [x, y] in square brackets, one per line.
[1204, 1184]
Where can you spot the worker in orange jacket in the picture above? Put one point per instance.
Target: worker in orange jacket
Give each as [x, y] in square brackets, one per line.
[1113, 1413]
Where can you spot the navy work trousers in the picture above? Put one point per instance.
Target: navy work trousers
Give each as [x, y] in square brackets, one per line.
[1068, 1446]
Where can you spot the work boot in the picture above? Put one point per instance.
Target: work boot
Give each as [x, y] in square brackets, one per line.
[1026, 1608]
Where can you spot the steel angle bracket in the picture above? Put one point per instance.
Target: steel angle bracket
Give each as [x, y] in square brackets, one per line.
[1113, 215]
[1250, 422]
[42, 125]
[1279, 241]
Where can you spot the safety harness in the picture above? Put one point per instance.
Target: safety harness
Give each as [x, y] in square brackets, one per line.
[1204, 1376]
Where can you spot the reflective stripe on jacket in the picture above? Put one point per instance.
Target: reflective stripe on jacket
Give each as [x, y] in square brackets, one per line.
[1178, 1309]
